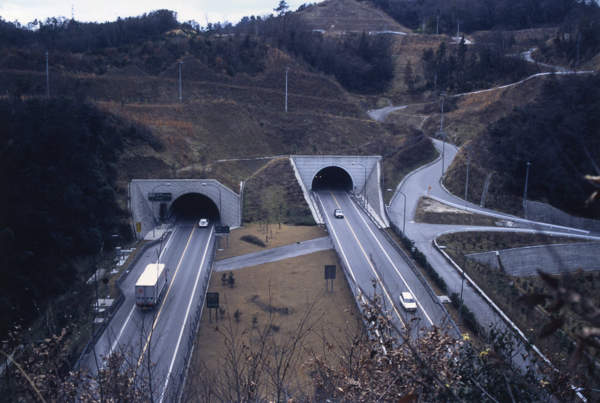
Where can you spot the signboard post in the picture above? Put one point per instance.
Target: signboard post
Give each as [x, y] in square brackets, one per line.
[329, 275]
[212, 301]
[138, 226]
[222, 230]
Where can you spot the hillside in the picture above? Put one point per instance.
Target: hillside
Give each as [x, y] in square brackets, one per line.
[342, 16]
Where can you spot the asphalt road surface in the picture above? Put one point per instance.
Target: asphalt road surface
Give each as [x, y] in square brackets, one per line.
[368, 255]
[159, 336]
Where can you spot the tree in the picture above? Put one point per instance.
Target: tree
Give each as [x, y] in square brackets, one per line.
[282, 8]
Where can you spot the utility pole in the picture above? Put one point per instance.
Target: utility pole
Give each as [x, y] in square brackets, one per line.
[443, 95]
[434, 86]
[180, 63]
[467, 183]
[286, 78]
[437, 25]
[577, 64]
[47, 76]
[525, 194]
[423, 27]
[458, 29]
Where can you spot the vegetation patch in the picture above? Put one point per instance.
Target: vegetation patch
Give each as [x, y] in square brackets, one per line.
[430, 211]
[274, 236]
[253, 240]
[505, 290]
[274, 196]
[281, 302]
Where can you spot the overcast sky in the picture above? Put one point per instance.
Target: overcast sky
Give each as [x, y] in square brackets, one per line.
[108, 10]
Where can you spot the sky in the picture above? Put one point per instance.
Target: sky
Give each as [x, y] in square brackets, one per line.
[201, 11]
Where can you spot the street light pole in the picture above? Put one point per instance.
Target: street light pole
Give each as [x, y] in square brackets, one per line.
[443, 95]
[467, 182]
[286, 92]
[525, 194]
[219, 189]
[180, 63]
[365, 184]
[404, 221]
[462, 284]
[154, 208]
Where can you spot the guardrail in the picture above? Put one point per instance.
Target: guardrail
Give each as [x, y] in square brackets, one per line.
[195, 324]
[410, 264]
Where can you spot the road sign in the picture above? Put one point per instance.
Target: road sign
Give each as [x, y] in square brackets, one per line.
[212, 300]
[138, 226]
[160, 196]
[330, 272]
[222, 229]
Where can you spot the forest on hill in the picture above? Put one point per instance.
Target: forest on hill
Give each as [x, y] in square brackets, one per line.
[155, 41]
[580, 19]
[57, 173]
[561, 141]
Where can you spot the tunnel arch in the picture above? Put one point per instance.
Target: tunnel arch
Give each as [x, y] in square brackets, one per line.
[194, 206]
[333, 178]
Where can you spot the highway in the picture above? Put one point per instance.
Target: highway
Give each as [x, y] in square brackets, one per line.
[160, 336]
[368, 255]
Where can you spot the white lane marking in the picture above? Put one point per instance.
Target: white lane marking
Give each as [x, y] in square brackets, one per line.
[187, 312]
[390, 259]
[133, 309]
[340, 244]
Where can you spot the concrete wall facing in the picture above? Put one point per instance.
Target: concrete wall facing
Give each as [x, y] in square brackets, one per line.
[309, 165]
[543, 212]
[554, 259]
[143, 210]
[364, 174]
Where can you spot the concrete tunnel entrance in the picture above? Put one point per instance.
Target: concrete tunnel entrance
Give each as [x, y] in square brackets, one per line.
[194, 206]
[332, 178]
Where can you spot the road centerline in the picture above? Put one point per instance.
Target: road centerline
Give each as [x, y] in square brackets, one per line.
[371, 265]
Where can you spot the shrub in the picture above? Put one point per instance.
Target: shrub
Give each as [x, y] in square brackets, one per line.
[253, 240]
[468, 317]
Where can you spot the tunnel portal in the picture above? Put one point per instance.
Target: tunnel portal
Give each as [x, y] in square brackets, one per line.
[332, 178]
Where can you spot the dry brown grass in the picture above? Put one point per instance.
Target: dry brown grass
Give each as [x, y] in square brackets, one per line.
[349, 16]
[287, 235]
[432, 212]
[290, 285]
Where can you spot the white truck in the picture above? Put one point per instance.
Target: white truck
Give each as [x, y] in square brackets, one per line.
[150, 286]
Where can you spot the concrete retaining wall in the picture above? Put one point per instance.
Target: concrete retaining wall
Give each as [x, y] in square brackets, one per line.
[555, 259]
[543, 212]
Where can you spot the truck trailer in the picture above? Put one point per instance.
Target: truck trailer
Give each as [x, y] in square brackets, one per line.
[150, 286]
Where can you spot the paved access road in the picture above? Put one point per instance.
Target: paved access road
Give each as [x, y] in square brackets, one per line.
[368, 255]
[161, 335]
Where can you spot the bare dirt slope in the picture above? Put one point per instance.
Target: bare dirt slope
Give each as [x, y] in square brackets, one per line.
[336, 16]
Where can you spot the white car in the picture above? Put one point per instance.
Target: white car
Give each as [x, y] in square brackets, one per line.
[408, 302]
[203, 222]
[337, 213]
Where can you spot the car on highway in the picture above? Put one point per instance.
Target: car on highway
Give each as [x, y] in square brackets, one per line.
[203, 222]
[338, 213]
[408, 302]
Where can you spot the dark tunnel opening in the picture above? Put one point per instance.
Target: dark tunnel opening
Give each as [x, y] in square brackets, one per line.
[194, 206]
[332, 178]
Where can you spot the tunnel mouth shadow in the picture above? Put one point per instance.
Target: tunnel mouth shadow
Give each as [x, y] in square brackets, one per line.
[194, 206]
[332, 178]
